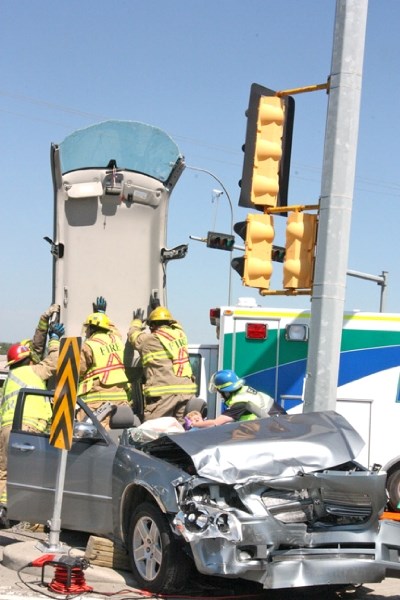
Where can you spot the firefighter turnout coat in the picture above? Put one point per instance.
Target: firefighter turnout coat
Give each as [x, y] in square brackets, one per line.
[37, 409]
[165, 359]
[36, 412]
[102, 372]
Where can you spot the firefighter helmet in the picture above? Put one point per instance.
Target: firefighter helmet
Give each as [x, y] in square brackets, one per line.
[225, 381]
[160, 314]
[98, 319]
[16, 353]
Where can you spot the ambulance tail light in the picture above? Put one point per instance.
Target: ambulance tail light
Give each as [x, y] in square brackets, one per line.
[256, 331]
[215, 314]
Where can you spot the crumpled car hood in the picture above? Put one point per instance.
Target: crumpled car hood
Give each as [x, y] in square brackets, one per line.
[278, 446]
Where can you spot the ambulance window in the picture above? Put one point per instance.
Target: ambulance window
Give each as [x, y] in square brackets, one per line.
[296, 333]
[195, 361]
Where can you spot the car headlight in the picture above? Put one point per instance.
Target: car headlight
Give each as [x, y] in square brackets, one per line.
[197, 520]
[207, 521]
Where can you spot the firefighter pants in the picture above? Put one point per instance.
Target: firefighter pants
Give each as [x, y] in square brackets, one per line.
[173, 405]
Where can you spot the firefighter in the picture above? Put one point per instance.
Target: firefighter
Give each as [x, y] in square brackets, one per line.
[163, 348]
[102, 377]
[241, 402]
[23, 373]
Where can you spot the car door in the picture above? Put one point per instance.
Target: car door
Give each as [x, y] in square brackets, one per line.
[34, 468]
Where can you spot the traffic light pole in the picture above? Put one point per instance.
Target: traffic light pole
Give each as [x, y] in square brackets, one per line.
[328, 295]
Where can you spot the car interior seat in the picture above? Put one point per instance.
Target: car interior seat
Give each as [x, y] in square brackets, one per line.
[122, 418]
[197, 404]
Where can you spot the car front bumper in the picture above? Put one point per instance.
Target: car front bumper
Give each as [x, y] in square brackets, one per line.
[329, 559]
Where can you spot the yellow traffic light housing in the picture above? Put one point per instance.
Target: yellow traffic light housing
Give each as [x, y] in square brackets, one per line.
[258, 250]
[298, 266]
[267, 149]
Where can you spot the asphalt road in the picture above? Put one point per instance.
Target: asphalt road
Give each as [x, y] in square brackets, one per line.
[18, 585]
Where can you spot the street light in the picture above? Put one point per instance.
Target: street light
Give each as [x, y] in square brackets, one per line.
[217, 194]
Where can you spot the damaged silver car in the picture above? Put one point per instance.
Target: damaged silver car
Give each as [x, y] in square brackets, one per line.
[278, 501]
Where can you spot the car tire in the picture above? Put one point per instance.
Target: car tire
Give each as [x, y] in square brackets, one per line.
[393, 488]
[158, 563]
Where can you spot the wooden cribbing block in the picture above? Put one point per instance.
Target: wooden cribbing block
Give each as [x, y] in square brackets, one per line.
[103, 553]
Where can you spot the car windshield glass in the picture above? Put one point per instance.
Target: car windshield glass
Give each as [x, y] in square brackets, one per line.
[125, 145]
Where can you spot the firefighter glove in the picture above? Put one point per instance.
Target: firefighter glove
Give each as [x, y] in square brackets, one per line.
[138, 314]
[56, 330]
[154, 302]
[100, 305]
[53, 309]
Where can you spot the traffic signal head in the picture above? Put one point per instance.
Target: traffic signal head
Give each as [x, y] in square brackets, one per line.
[221, 241]
[267, 149]
[255, 267]
[298, 266]
[278, 254]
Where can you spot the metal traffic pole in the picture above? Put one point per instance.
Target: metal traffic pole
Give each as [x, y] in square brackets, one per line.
[338, 175]
[379, 279]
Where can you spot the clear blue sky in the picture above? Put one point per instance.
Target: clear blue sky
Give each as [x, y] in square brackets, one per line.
[186, 66]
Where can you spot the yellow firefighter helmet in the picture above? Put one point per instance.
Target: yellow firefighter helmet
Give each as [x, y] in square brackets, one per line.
[98, 319]
[160, 314]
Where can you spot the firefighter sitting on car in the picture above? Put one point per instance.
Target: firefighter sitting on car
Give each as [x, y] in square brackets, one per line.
[163, 349]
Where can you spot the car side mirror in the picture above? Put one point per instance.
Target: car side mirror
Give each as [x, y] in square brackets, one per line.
[85, 430]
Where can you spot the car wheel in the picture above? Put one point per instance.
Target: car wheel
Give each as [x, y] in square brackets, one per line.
[393, 488]
[157, 561]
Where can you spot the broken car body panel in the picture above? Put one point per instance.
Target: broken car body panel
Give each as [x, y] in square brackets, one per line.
[278, 501]
[274, 446]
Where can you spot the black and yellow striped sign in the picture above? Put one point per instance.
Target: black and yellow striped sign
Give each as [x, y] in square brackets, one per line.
[67, 378]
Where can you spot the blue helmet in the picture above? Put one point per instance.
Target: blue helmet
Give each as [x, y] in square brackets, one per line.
[225, 381]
